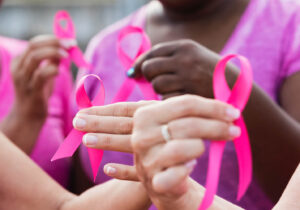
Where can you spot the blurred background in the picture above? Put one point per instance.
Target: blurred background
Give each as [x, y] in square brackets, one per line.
[24, 19]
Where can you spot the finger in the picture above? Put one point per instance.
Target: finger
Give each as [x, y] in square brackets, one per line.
[103, 124]
[166, 83]
[173, 94]
[157, 66]
[111, 142]
[34, 59]
[42, 75]
[160, 50]
[123, 109]
[189, 128]
[169, 180]
[177, 152]
[122, 172]
[186, 106]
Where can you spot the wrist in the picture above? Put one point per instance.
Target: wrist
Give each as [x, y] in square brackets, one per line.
[24, 114]
[189, 200]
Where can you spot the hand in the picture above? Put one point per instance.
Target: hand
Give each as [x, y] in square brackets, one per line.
[33, 73]
[179, 67]
[109, 128]
[164, 167]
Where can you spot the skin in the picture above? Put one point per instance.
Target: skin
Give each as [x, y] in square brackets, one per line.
[152, 154]
[36, 190]
[186, 66]
[164, 167]
[33, 73]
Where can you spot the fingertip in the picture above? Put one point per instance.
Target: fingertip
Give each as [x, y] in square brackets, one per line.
[131, 73]
[109, 170]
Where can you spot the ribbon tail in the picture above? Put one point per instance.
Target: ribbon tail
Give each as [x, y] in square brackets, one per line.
[69, 145]
[78, 58]
[95, 156]
[147, 89]
[213, 174]
[243, 151]
[125, 91]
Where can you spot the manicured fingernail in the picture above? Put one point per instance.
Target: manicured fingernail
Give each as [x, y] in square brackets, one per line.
[233, 113]
[110, 170]
[79, 123]
[234, 131]
[67, 43]
[90, 140]
[191, 165]
[63, 53]
[131, 73]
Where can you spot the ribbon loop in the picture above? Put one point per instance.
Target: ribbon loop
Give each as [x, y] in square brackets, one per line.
[73, 140]
[67, 32]
[237, 97]
[129, 84]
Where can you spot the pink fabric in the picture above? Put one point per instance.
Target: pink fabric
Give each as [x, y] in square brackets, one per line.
[238, 97]
[268, 34]
[58, 122]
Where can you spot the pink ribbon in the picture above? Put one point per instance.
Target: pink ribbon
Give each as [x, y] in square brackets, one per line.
[237, 97]
[68, 32]
[129, 84]
[73, 140]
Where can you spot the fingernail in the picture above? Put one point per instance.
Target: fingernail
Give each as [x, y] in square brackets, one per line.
[63, 53]
[234, 131]
[79, 123]
[191, 165]
[131, 73]
[68, 43]
[233, 113]
[90, 140]
[110, 170]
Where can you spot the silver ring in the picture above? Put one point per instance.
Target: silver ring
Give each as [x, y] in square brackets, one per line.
[165, 133]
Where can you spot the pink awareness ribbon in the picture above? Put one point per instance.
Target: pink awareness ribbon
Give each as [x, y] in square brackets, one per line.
[238, 97]
[129, 84]
[73, 140]
[68, 32]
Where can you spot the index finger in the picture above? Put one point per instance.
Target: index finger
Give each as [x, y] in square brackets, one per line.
[160, 50]
[123, 109]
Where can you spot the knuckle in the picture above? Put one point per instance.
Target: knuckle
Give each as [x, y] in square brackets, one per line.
[188, 103]
[125, 126]
[158, 84]
[106, 141]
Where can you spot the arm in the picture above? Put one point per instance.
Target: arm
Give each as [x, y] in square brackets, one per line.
[290, 197]
[25, 186]
[33, 74]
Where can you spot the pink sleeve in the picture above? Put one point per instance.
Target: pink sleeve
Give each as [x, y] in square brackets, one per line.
[291, 48]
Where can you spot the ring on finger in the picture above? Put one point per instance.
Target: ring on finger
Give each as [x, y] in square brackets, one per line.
[165, 133]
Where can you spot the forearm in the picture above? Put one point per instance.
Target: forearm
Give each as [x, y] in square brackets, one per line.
[274, 137]
[191, 200]
[290, 197]
[111, 195]
[24, 185]
[22, 130]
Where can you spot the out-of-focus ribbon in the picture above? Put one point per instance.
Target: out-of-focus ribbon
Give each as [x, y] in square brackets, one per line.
[74, 139]
[67, 32]
[238, 97]
[129, 84]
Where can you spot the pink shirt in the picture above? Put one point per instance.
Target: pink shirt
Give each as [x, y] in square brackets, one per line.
[58, 122]
[268, 34]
